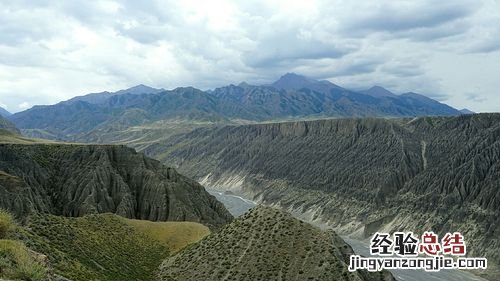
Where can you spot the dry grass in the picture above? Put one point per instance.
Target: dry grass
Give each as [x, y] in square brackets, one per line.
[9, 137]
[16, 262]
[174, 235]
[6, 223]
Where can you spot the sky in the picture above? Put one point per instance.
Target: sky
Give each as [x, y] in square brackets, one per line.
[54, 50]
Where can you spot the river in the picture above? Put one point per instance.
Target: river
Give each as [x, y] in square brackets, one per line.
[237, 205]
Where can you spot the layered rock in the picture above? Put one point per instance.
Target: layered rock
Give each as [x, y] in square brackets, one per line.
[361, 175]
[75, 180]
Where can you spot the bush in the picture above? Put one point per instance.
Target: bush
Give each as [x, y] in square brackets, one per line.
[16, 262]
[6, 223]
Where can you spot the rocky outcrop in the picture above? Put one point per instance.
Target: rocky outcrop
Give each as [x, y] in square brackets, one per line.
[266, 244]
[75, 180]
[361, 175]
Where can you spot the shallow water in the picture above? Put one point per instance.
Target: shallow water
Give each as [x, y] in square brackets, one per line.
[237, 205]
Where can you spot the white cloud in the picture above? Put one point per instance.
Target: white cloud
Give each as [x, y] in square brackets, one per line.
[24, 105]
[53, 50]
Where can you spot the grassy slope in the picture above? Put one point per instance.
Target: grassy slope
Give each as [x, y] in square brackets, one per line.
[10, 137]
[104, 247]
[17, 262]
[173, 235]
[266, 244]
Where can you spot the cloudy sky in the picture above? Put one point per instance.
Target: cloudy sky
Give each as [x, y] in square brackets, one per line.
[53, 50]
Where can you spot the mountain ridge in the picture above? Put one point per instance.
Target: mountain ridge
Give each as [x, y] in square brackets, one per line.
[291, 97]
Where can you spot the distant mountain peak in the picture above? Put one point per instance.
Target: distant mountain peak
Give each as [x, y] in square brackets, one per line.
[244, 84]
[98, 98]
[293, 81]
[378, 91]
[415, 95]
[140, 89]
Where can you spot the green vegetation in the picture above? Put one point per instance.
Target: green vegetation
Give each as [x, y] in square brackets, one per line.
[6, 223]
[266, 244]
[102, 247]
[10, 137]
[17, 262]
[94, 247]
[173, 235]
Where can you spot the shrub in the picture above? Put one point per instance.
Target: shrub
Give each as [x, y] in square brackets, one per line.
[6, 223]
[16, 262]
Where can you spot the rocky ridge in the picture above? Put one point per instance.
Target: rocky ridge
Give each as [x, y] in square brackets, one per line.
[76, 180]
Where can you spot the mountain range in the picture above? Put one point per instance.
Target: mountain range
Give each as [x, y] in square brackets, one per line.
[292, 96]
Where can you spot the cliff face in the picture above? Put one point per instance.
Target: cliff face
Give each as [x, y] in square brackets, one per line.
[361, 175]
[266, 244]
[75, 180]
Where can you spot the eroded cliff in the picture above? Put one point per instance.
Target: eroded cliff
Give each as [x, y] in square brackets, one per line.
[75, 180]
[361, 175]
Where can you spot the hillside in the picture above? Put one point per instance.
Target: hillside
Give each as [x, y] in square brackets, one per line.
[266, 244]
[361, 175]
[75, 180]
[8, 126]
[4, 112]
[95, 247]
[112, 117]
[175, 236]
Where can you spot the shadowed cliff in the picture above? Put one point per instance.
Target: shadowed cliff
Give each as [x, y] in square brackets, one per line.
[75, 180]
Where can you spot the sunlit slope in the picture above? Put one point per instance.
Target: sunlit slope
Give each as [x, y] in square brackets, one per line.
[94, 247]
[173, 235]
[266, 244]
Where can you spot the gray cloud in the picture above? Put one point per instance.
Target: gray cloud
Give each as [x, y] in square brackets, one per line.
[397, 17]
[53, 50]
[475, 97]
